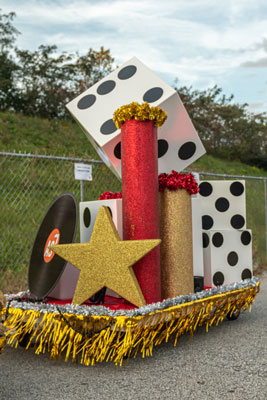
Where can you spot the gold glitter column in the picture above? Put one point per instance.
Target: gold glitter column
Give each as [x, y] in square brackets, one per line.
[176, 251]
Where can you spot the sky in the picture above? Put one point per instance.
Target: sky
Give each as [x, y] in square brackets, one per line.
[201, 43]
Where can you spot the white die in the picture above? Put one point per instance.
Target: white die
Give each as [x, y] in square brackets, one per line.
[227, 256]
[88, 213]
[223, 204]
[178, 142]
[197, 236]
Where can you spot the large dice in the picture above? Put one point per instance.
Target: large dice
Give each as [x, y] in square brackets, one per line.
[178, 141]
[197, 236]
[227, 256]
[223, 204]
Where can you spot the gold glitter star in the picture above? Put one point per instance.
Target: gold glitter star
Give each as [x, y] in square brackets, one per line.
[106, 261]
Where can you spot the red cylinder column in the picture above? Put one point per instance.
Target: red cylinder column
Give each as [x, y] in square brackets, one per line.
[139, 164]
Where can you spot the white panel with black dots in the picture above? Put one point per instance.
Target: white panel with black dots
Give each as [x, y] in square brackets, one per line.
[197, 236]
[178, 142]
[223, 204]
[227, 256]
[88, 213]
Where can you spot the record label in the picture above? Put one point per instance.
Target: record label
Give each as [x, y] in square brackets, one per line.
[59, 225]
[52, 240]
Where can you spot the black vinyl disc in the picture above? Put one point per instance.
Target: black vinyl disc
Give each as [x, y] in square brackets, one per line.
[58, 227]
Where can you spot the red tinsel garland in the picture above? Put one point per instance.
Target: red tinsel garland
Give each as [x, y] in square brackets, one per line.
[173, 181]
[109, 195]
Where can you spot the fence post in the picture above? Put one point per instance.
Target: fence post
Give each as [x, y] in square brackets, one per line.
[82, 190]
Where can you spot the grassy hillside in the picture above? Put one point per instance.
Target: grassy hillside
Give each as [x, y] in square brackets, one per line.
[27, 189]
[41, 136]
[19, 133]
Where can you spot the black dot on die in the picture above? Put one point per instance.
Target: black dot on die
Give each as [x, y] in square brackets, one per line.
[232, 258]
[207, 222]
[86, 102]
[245, 237]
[205, 189]
[217, 239]
[153, 94]
[106, 87]
[237, 188]
[110, 211]
[237, 221]
[205, 240]
[127, 72]
[108, 127]
[222, 204]
[86, 217]
[162, 147]
[187, 150]
[218, 279]
[117, 151]
[246, 274]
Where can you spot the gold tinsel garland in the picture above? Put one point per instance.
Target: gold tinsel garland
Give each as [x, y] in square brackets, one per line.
[122, 336]
[140, 112]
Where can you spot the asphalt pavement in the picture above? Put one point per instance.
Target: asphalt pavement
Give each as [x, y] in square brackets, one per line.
[229, 362]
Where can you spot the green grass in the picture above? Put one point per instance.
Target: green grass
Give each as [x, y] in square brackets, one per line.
[28, 187]
[209, 163]
[42, 136]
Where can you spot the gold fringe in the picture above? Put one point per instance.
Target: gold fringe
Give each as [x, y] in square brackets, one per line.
[122, 336]
[2, 343]
[140, 112]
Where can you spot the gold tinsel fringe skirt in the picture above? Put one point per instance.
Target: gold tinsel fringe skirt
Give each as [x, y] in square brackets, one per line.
[94, 338]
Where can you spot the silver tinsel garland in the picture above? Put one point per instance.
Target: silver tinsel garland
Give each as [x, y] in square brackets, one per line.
[100, 310]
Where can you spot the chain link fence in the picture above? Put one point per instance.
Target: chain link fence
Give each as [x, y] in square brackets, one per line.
[28, 186]
[30, 183]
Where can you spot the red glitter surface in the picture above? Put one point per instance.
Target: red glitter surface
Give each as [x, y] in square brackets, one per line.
[111, 302]
[173, 181]
[139, 164]
[109, 195]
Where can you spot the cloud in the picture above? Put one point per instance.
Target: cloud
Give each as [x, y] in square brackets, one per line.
[262, 45]
[195, 23]
[257, 107]
[201, 42]
[250, 75]
[261, 63]
[178, 37]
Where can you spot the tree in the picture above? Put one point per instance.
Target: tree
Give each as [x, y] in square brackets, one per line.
[44, 80]
[227, 129]
[92, 67]
[41, 82]
[8, 66]
[48, 80]
[8, 33]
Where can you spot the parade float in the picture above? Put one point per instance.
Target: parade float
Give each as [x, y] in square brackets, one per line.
[167, 255]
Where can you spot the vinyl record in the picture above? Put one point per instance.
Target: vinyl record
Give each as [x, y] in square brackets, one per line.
[58, 227]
